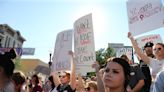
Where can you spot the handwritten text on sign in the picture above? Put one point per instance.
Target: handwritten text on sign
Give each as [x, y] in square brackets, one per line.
[143, 12]
[144, 15]
[61, 59]
[154, 38]
[84, 41]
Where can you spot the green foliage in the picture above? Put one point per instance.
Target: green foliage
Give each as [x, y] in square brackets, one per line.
[90, 74]
[17, 63]
[103, 54]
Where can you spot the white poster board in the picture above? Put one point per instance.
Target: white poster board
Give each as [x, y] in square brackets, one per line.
[155, 38]
[126, 50]
[61, 58]
[84, 44]
[144, 15]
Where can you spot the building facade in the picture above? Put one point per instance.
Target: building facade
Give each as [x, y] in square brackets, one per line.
[10, 38]
[116, 46]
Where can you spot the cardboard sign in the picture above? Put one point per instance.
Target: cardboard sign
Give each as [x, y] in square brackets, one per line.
[126, 50]
[155, 38]
[61, 58]
[144, 15]
[84, 44]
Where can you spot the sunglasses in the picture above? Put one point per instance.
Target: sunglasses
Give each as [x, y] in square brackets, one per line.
[62, 76]
[157, 49]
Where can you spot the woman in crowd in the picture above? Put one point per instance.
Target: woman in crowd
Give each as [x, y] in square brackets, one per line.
[116, 75]
[91, 87]
[67, 81]
[157, 64]
[36, 87]
[51, 82]
[80, 82]
[18, 79]
[6, 71]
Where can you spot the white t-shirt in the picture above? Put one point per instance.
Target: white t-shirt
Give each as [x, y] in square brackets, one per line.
[156, 66]
[54, 90]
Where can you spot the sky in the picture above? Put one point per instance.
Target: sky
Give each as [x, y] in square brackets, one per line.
[39, 21]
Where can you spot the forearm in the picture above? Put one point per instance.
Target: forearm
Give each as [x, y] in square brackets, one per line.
[80, 84]
[138, 50]
[139, 86]
[73, 74]
[100, 83]
[135, 46]
[56, 79]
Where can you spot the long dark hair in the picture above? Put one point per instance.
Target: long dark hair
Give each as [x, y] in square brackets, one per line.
[6, 62]
[52, 82]
[126, 69]
[36, 78]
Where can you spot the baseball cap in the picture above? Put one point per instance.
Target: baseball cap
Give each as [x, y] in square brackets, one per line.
[148, 44]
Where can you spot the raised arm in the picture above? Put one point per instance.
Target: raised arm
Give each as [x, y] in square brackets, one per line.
[80, 84]
[138, 50]
[100, 83]
[73, 74]
[56, 78]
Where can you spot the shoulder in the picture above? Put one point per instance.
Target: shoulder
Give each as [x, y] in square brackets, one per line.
[54, 90]
[9, 87]
[159, 78]
[61, 88]
[160, 75]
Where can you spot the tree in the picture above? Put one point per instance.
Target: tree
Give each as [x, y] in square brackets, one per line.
[103, 54]
[101, 57]
[17, 63]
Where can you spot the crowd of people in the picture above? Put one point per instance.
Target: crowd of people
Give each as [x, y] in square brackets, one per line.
[118, 75]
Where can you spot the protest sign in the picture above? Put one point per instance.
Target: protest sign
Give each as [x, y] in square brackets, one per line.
[84, 43]
[155, 38]
[144, 15]
[126, 50]
[61, 58]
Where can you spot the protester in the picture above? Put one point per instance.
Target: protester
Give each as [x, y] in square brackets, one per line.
[18, 79]
[6, 71]
[51, 82]
[66, 82]
[148, 49]
[91, 87]
[47, 86]
[36, 87]
[136, 76]
[157, 64]
[99, 74]
[116, 75]
[80, 82]
[159, 83]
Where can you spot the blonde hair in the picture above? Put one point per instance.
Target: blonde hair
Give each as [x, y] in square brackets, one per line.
[93, 85]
